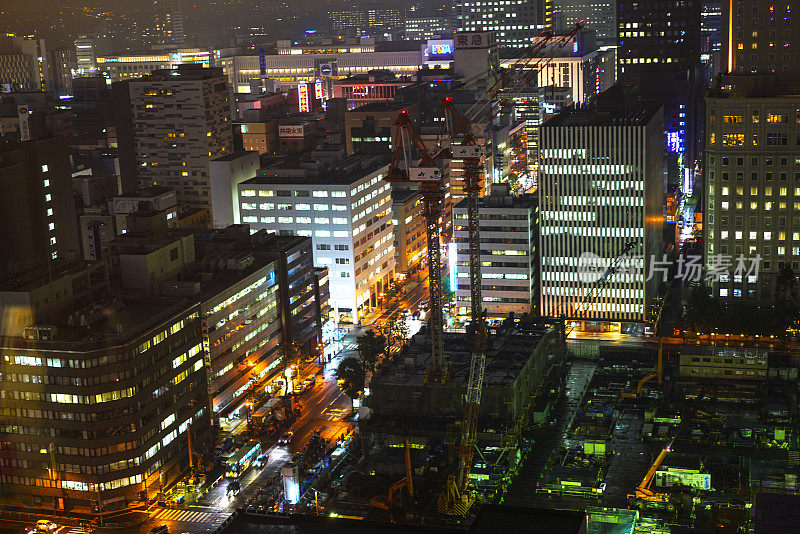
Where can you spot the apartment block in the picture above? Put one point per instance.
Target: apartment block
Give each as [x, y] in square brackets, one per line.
[344, 205]
[509, 261]
[173, 123]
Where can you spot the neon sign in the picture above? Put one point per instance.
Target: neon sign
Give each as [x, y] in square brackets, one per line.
[441, 49]
[303, 98]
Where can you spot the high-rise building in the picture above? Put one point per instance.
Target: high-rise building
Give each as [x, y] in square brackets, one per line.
[23, 64]
[345, 207]
[61, 64]
[653, 32]
[601, 186]
[597, 15]
[659, 52]
[100, 390]
[422, 27]
[361, 20]
[752, 176]
[509, 264]
[171, 124]
[86, 53]
[410, 233]
[514, 22]
[763, 37]
[168, 23]
[38, 205]
[712, 34]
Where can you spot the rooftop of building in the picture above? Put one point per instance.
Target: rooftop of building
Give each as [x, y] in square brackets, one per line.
[506, 355]
[500, 197]
[287, 170]
[233, 156]
[147, 192]
[619, 105]
[754, 86]
[184, 72]
[39, 276]
[404, 196]
[382, 106]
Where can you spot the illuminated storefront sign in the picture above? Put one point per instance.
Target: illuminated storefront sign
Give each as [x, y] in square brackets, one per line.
[303, 96]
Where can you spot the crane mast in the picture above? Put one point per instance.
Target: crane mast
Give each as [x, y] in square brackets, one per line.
[404, 168]
[469, 151]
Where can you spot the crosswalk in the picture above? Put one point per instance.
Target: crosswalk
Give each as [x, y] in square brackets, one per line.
[190, 516]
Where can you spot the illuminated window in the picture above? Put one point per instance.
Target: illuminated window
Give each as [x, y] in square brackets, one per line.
[732, 119]
[735, 139]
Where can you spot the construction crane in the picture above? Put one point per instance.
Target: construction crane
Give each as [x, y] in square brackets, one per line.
[405, 168]
[463, 145]
[643, 496]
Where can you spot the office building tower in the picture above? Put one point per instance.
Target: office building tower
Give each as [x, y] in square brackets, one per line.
[410, 233]
[38, 205]
[574, 65]
[423, 27]
[763, 37]
[712, 34]
[601, 186]
[86, 52]
[360, 20]
[92, 110]
[61, 65]
[345, 207]
[659, 52]
[509, 264]
[597, 15]
[170, 125]
[653, 32]
[168, 23]
[23, 64]
[515, 23]
[752, 180]
[294, 265]
[100, 390]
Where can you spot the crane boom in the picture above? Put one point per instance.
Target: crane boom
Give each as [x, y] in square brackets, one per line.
[644, 485]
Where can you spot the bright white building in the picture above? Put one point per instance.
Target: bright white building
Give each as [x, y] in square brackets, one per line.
[345, 207]
[509, 265]
[601, 186]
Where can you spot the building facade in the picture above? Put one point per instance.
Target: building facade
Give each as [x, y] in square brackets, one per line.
[762, 37]
[37, 203]
[410, 231]
[598, 15]
[346, 210]
[178, 122]
[601, 186]
[97, 401]
[515, 22]
[752, 181]
[509, 262]
[23, 64]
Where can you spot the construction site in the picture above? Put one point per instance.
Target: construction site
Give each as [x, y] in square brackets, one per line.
[640, 436]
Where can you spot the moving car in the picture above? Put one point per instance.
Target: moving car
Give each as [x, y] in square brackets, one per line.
[286, 438]
[45, 525]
